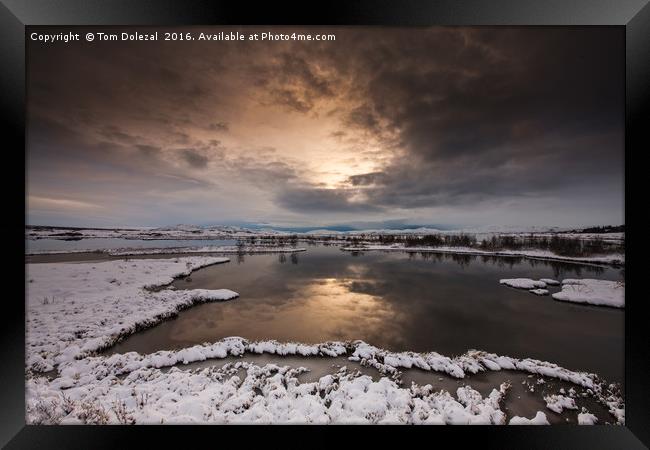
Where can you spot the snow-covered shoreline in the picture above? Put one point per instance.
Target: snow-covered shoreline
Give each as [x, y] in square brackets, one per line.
[592, 292]
[584, 290]
[272, 393]
[206, 249]
[76, 310]
[225, 249]
[614, 258]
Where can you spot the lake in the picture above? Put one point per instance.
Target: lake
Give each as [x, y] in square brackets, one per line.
[399, 301]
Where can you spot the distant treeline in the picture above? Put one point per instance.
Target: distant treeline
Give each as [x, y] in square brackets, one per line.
[269, 240]
[560, 245]
[603, 229]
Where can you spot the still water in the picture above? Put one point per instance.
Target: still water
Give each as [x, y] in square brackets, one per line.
[399, 301]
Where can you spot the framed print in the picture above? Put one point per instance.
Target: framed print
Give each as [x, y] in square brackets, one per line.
[363, 215]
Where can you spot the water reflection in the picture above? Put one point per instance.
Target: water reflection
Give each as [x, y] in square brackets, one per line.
[400, 301]
[559, 268]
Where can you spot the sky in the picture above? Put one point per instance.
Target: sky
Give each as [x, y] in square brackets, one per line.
[445, 126]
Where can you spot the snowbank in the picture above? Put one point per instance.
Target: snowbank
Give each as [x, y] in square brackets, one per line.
[586, 418]
[539, 419]
[539, 291]
[557, 403]
[247, 393]
[523, 283]
[593, 292]
[76, 309]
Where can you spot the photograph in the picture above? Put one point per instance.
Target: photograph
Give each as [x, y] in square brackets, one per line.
[325, 225]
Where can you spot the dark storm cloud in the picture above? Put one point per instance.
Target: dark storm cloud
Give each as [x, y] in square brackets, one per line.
[367, 179]
[442, 117]
[264, 170]
[477, 114]
[310, 199]
[490, 112]
[113, 133]
[293, 81]
[363, 117]
[149, 151]
[194, 158]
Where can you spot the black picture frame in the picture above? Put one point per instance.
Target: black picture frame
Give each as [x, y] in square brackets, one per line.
[15, 15]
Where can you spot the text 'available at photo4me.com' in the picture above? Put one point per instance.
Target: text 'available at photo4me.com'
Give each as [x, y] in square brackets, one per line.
[221, 36]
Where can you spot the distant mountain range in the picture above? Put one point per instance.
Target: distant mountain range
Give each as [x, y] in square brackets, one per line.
[188, 229]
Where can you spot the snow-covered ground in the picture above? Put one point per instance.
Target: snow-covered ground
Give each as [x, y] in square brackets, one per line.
[558, 403]
[539, 419]
[593, 292]
[75, 310]
[262, 394]
[180, 232]
[248, 249]
[613, 258]
[585, 290]
[586, 418]
[217, 232]
[132, 388]
[206, 249]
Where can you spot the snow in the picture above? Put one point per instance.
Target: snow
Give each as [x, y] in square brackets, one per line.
[76, 309]
[181, 232]
[523, 283]
[242, 392]
[539, 291]
[271, 393]
[594, 292]
[539, 419]
[550, 281]
[204, 249]
[557, 403]
[585, 418]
